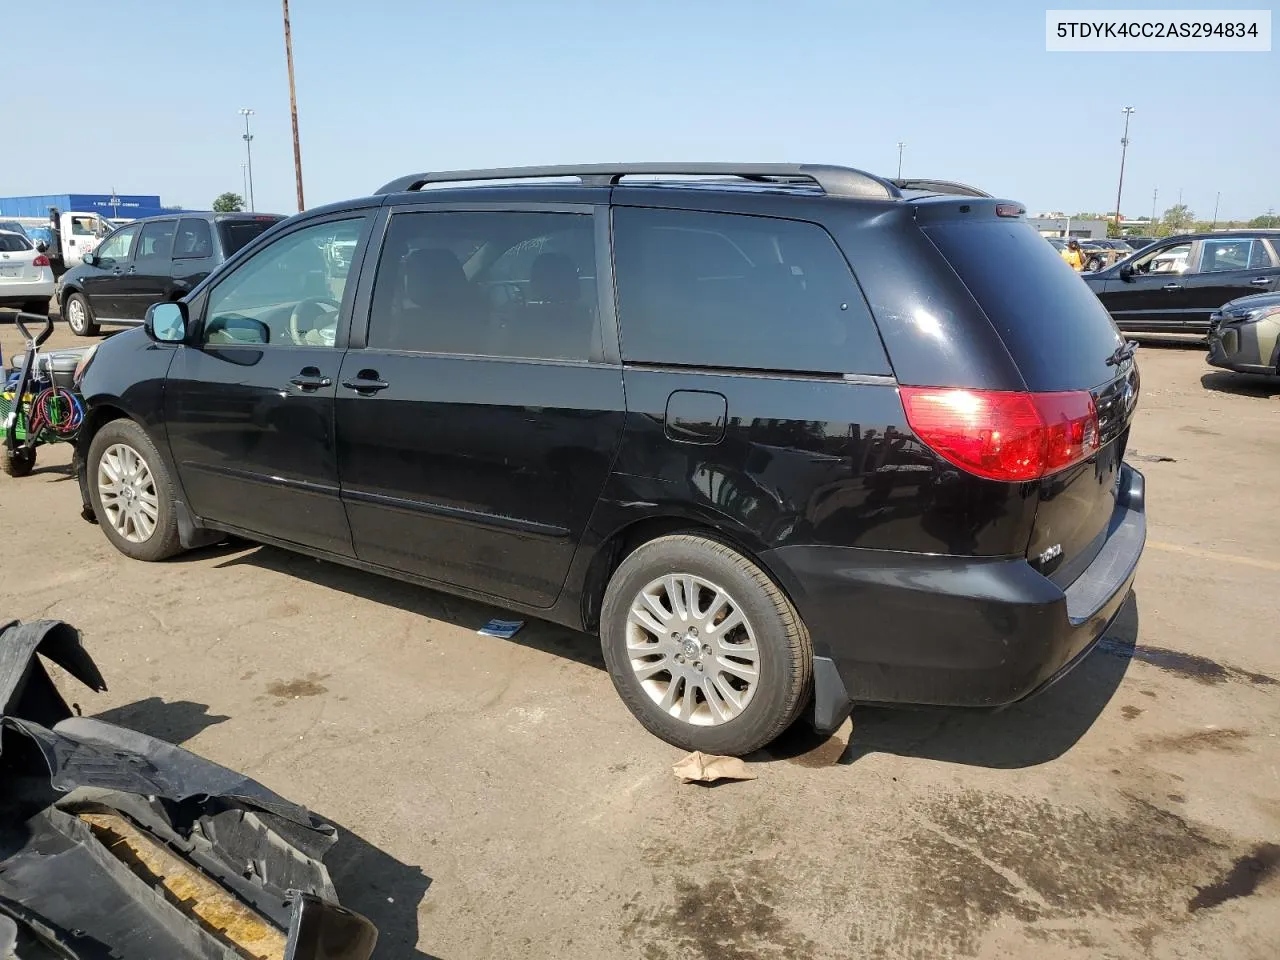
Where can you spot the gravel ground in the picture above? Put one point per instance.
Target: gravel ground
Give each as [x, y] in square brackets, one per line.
[498, 801]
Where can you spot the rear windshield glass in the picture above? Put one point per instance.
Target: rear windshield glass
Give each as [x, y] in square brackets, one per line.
[1052, 324]
[237, 233]
[12, 243]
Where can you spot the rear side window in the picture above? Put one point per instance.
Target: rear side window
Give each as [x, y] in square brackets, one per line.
[1260, 258]
[499, 284]
[1220, 256]
[1052, 324]
[237, 233]
[194, 241]
[738, 292]
[156, 241]
[12, 243]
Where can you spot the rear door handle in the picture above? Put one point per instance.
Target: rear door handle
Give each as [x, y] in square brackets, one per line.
[311, 383]
[366, 385]
[1172, 286]
[1260, 281]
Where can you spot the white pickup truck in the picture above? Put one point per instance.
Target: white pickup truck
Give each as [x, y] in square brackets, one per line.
[77, 234]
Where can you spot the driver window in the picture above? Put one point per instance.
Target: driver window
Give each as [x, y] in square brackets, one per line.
[116, 246]
[1165, 260]
[290, 292]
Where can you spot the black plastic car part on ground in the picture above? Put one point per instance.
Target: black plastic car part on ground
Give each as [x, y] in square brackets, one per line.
[1175, 284]
[1245, 335]
[115, 844]
[151, 261]
[780, 434]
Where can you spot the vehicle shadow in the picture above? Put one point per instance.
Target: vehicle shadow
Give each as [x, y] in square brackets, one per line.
[1026, 734]
[368, 880]
[1241, 384]
[1168, 341]
[423, 601]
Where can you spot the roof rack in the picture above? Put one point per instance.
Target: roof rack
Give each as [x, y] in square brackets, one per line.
[833, 181]
[941, 186]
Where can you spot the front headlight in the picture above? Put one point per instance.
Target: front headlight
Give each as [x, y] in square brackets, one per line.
[83, 365]
[1261, 313]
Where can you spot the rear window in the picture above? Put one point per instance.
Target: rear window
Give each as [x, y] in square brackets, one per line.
[237, 233]
[1052, 324]
[12, 243]
[738, 292]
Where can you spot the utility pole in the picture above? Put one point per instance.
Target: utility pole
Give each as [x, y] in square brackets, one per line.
[901, 145]
[1154, 193]
[1124, 147]
[244, 175]
[248, 154]
[293, 107]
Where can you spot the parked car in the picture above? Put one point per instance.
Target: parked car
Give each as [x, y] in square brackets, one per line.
[798, 440]
[1102, 253]
[26, 281]
[1175, 284]
[148, 261]
[1137, 243]
[1245, 335]
[13, 226]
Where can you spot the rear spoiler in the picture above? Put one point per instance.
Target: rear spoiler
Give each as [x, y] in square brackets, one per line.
[941, 186]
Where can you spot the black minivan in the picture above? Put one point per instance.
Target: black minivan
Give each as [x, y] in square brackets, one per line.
[787, 437]
[150, 260]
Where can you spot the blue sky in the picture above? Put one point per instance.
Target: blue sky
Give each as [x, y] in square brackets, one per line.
[387, 87]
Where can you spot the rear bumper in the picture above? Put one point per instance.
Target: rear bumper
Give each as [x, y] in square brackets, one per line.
[21, 290]
[955, 631]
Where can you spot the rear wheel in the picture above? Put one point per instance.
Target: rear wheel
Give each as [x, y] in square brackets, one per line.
[80, 316]
[703, 647]
[132, 493]
[17, 463]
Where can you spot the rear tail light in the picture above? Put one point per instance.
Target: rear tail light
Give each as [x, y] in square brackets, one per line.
[40, 261]
[1003, 435]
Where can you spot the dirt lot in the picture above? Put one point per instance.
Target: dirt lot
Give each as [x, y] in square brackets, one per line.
[499, 801]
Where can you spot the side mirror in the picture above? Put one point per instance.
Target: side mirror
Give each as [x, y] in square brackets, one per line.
[90, 258]
[166, 322]
[1126, 273]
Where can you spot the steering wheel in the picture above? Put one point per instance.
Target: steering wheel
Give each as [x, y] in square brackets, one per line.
[304, 327]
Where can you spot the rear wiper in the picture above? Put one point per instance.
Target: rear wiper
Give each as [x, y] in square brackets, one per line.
[1122, 353]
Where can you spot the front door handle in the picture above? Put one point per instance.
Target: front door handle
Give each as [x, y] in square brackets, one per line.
[366, 383]
[1260, 281]
[311, 383]
[1172, 286]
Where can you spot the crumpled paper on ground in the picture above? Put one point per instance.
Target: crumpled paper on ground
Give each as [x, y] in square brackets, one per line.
[704, 768]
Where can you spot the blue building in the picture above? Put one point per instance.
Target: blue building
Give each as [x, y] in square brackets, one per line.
[130, 206]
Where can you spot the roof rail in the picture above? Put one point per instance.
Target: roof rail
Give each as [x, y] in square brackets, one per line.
[833, 181]
[941, 186]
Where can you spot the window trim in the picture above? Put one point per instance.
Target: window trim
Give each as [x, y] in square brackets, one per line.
[363, 308]
[208, 226]
[218, 278]
[137, 258]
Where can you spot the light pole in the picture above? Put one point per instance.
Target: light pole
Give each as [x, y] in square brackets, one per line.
[1154, 193]
[244, 175]
[1124, 147]
[1216, 199]
[900, 147]
[248, 153]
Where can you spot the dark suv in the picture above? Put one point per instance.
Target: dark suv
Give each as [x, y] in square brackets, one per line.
[149, 261]
[1176, 284]
[784, 436]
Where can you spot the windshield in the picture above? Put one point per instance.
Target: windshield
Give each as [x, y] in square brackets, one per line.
[236, 234]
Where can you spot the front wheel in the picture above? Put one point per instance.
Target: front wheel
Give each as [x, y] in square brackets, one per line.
[703, 647]
[80, 316]
[17, 463]
[132, 493]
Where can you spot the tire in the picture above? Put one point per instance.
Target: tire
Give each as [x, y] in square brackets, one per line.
[700, 716]
[17, 463]
[134, 530]
[79, 316]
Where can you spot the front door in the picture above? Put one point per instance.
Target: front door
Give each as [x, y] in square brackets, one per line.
[249, 407]
[478, 420]
[105, 281]
[1154, 295]
[147, 281]
[1228, 268]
